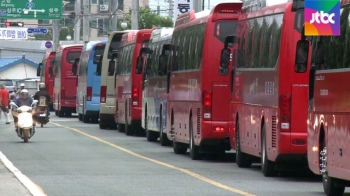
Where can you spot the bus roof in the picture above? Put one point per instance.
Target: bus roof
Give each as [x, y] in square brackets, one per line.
[279, 8]
[68, 46]
[92, 44]
[159, 34]
[221, 11]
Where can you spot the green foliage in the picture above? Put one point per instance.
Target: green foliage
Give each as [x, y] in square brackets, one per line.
[147, 20]
[63, 32]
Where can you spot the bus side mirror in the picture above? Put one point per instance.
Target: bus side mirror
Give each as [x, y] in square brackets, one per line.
[96, 59]
[225, 56]
[38, 70]
[224, 61]
[51, 71]
[139, 65]
[99, 66]
[111, 67]
[52, 62]
[115, 54]
[75, 66]
[301, 56]
[162, 65]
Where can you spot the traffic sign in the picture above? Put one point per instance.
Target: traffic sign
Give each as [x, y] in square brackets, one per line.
[48, 44]
[37, 30]
[31, 9]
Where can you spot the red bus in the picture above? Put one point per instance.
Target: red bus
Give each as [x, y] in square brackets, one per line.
[65, 90]
[198, 95]
[129, 83]
[268, 107]
[46, 75]
[329, 111]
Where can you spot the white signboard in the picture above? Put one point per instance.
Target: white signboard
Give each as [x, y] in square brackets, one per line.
[182, 6]
[13, 33]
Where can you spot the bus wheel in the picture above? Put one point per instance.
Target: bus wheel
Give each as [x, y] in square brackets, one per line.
[128, 128]
[56, 113]
[242, 159]
[194, 150]
[60, 113]
[329, 184]
[267, 166]
[164, 141]
[86, 118]
[80, 117]
[102, 125]
[179, 148]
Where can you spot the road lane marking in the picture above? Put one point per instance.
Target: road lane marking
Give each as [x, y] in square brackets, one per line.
[202, 178]
[33, 188]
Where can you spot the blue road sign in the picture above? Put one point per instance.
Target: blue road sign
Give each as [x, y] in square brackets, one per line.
[48, 44]
[37, 30]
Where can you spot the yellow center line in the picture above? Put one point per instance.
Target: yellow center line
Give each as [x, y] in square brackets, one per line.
[228, 188]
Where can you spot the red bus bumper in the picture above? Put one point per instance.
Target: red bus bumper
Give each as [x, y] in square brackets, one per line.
[214, 136]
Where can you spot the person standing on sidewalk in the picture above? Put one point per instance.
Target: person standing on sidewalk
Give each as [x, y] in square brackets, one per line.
[4, 102]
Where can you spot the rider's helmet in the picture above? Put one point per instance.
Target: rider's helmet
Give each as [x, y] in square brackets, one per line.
[42, 86]
[22, 86]
[24, 94]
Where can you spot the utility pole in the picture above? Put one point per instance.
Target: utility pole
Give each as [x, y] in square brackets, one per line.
[86, 25]
[135, 15]
[158, 9]
[171, 8]
[114, 15]
[55, 35]
[77, 10]
[197, 6]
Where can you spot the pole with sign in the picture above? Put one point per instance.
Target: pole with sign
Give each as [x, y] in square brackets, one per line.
[181, 7]
[31, 9]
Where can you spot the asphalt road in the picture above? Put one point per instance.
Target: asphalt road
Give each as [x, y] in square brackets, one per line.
[68, 157]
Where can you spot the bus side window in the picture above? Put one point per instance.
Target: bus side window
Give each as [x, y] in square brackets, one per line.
[301, 56]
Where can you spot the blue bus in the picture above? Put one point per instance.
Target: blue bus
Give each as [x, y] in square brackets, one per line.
[89, 80]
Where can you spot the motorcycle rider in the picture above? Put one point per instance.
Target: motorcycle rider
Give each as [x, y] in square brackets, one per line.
[22, 86]
[42, 92]
[23, 99]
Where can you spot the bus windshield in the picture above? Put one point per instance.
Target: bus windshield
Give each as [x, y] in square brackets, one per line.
[114, 45]
[7, 82]
[224, 28]
[71, 56]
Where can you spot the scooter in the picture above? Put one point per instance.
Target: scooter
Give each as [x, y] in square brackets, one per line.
[41, 112]
[25, 121]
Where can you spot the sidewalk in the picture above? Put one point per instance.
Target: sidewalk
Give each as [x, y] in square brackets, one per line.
[9, 184]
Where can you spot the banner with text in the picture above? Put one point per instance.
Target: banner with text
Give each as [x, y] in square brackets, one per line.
[13, 33]
[182, 6]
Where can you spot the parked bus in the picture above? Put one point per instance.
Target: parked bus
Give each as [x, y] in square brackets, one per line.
[329, 111]
[269, 90]
[65, 90]
[129, 82]
[45, 71]
[88, 92]
[107, 89]
[154, 96]
[198, 97]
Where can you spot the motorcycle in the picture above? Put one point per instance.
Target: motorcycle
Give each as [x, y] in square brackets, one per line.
[41, 112]
[25, 121]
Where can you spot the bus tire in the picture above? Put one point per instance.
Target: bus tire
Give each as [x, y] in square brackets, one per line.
[179, 148]
[102, 125]
[242, 159]
[267, 166]
[194, 150]
[60, 113]
[80, 117]
[330, 186]
[163, 139]
[86, 118]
